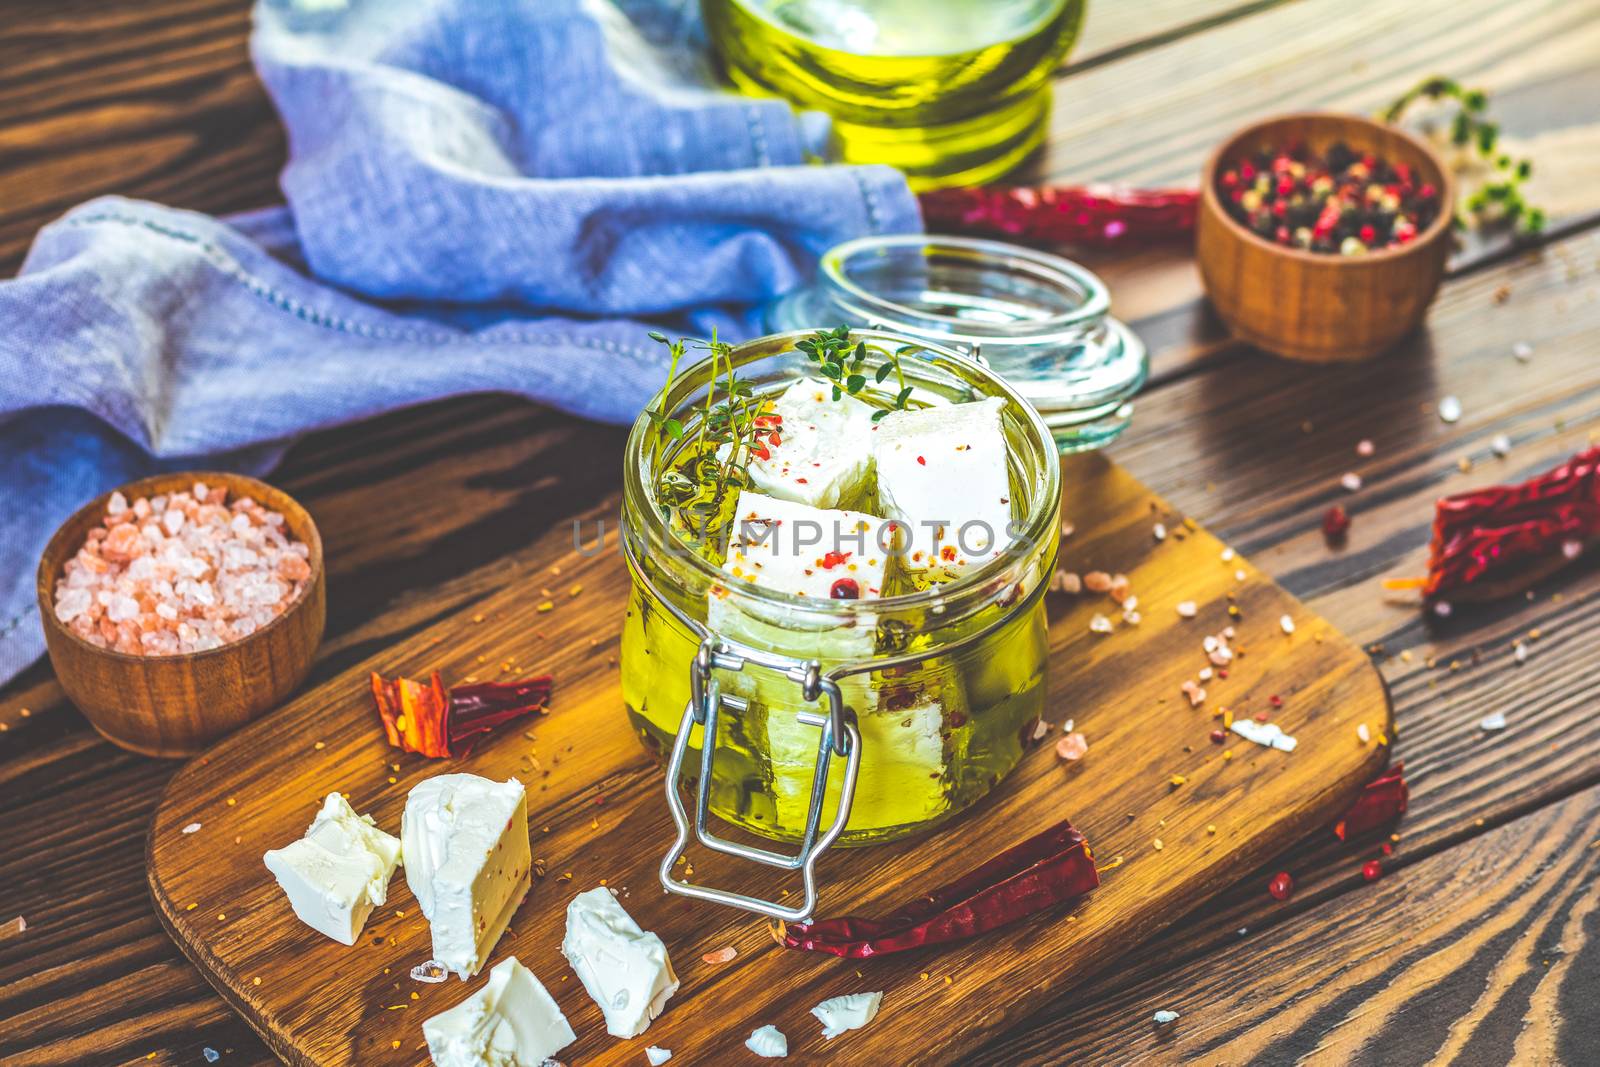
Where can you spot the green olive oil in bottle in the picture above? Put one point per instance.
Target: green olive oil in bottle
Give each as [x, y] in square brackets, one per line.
[953, 92]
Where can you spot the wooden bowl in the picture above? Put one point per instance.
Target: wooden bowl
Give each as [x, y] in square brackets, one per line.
[1314, 306]
[176, 705]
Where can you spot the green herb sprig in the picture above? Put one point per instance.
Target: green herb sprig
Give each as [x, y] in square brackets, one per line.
[841, 363]
[1500, 197]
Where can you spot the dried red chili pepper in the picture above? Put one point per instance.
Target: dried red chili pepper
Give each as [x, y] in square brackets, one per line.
[440, 723]
[1092, 215]
[1494, 542]
[1382, 801]
[1047, 869]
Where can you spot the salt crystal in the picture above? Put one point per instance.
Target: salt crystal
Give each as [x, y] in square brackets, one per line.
[1227, 555]
[1522, 351]
[1286, 624]
[1351, 481]
[116, 504]
[1238, 576]
[1159, 532]
[1072, 747]
[211, 1054]
[721, 955]
[1100, 624]
[1572, 549]
[1132, 618]
[1206, 674]
[1363, 733]
[1187, 609]
[22, 925]
[1449, 409]
[1130, 604]
[1040, 729]
[200, 491]
[192, 828]
[1494, 722]
[172, 522]
[1364, 448]
[1442, 608]
[1068, 725]
[122, 609]
[1164, 1017]
[1519, 652]
[1500, 445]
[72, 603]
[1097, 581]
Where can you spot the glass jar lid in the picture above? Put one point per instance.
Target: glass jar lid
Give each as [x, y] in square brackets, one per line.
[1041, 322]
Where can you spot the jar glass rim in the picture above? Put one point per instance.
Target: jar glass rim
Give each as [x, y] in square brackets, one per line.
[1092, 300]
[968, 591]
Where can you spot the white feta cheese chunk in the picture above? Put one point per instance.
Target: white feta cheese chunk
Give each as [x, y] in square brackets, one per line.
[657, 1056]
[805, 551]
[511, 1022]
[849, 1012]
[625, 969]
[338, 872]
[824, 449]
[942, 474]
[467, 861]
[768, 1042]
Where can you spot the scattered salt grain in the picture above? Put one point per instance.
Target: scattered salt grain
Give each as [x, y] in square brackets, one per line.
[1442, 608]
[1227, 555]
[192, 828]
[1351, 481]
[1449, 409]
[1206, 674]
[1519, 652]
[1265, 734]
[211, 1054]
[1187, 609]
[657, 1055]
[1494, 722]
[1238, 576]
[1097, 581]
[1522, 351]
[1159, 531]
[1364, 448]
[1072, 747]
[1066, 582]
[1500, 445]
[1099, 624]
[1363, 733]
[1040, 729]
[1068, 725]
[1163, 1017]
[1572, 549]
[431, 972]
[1286, 624]
[1196, 695]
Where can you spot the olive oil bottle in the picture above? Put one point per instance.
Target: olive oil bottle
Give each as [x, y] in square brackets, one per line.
[952, 92]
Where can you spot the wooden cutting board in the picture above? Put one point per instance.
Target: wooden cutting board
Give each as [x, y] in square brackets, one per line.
[597, 815]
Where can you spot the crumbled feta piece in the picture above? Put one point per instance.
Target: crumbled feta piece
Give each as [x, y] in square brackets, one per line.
[467, 862]
[657, 1055]
[805, 551]
[849, 1012]
[824, 449]
[942, 472]
[768, 1043]
[624, 968]
[338, 872]
[511, 1022]
[1267, 734]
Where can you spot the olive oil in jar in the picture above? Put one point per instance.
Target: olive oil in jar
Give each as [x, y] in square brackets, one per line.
[952, 92]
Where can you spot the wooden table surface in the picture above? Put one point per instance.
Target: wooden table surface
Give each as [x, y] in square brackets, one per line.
[1481, 943]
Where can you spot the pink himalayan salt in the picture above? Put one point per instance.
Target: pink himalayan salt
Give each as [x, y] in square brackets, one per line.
[1072, 747]
[180, 572]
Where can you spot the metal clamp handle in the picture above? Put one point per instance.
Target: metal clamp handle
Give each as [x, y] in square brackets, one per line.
[838, 736]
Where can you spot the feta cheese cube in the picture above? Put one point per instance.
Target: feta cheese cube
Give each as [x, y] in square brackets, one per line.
[624, 968]
[849, 1012]
[824, 449]
[338, 872]
[467, 862]
[805, 551]
[768, 1043]
[511, 1022]
[942, 473]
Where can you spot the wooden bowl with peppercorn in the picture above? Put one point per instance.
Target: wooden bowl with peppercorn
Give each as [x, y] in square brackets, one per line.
[1323, 237]
[179, 607]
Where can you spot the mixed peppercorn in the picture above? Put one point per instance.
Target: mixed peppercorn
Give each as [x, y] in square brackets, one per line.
[1338, 202]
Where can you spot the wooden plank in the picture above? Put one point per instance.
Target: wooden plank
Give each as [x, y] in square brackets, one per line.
[320, 1003]
[1497, 963]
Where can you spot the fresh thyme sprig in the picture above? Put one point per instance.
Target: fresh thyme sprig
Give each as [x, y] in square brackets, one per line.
[841, 363]
[1498, 198]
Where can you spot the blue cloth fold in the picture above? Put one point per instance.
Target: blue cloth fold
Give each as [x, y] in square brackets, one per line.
[482, 196]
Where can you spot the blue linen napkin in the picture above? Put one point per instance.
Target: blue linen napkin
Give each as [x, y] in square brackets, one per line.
[482, 196]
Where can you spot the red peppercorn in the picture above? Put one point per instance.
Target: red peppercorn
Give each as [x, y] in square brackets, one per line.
[1281, 886]
[845, 589]
[1275, 700]
[1335, 524]
[1218, 736]
[1388, 849]
[1372, 870]
[1283, 235]
[1367, 234]
[1260, 716]
[1230, 179]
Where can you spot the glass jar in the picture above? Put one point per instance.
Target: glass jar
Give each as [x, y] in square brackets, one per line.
[1040, 321]
[952, 92]
[873, 718]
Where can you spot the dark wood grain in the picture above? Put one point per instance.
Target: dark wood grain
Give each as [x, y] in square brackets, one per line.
[182, 120]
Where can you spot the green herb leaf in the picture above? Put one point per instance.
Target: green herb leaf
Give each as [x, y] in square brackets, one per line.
[902, 396]
[837, 392]
[831, 370]
[884, 371]
[855, 383]
[878, 415]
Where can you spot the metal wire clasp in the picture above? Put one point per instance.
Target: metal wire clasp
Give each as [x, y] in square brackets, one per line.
[837, 736]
